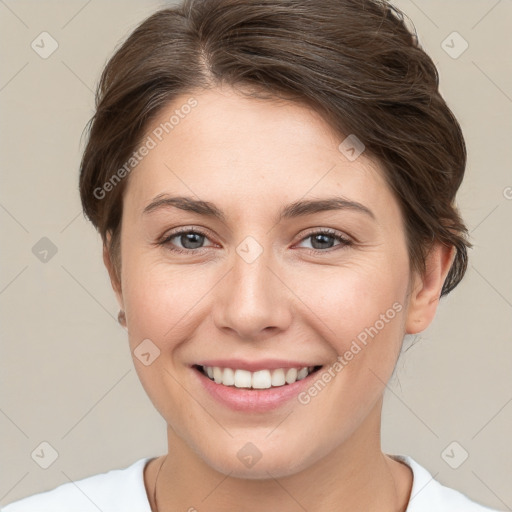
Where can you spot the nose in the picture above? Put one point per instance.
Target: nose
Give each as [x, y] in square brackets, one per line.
[252, 301]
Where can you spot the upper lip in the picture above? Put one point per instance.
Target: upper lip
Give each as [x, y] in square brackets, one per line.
[254, 366]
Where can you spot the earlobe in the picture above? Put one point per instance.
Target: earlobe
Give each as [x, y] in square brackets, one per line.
[426, 289]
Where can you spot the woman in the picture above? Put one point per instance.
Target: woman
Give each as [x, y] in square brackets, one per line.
[274, 183]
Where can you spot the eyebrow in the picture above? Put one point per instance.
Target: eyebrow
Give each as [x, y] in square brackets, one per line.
[292, 210]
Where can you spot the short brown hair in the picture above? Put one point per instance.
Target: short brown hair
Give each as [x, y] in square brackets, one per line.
[353, 61]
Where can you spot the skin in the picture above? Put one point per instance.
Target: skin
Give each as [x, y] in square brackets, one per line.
[251, 157]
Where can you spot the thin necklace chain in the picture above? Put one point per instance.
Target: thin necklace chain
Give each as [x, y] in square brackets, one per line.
[156, 480]
[165, 458]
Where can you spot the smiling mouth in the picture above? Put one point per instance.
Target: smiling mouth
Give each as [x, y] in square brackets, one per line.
[263, 379]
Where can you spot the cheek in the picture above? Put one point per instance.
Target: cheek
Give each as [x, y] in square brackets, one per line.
[161, 301]
[358, 309]
[154, 301]
[342, 300]
[353, 296]
[160, 305]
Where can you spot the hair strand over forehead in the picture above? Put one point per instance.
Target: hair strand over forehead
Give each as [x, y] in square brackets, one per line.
[353, 61]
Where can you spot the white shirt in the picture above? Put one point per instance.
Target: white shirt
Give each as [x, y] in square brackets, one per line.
[123, 490]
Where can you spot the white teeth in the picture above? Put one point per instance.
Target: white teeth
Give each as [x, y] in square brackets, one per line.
[302, 373]
[262, 379]
[217, 374]
[228, 377]
[291, 375]
[242, 379]
[278, 377]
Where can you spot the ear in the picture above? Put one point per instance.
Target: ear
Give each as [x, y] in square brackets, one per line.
[426, 289]
[114, 279]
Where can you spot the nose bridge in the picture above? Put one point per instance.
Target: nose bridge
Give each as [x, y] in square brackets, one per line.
[253, 299]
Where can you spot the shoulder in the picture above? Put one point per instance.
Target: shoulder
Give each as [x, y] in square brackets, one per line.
[112, 491]
[428, 494]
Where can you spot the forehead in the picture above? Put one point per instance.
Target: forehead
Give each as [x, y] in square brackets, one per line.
[228, 145]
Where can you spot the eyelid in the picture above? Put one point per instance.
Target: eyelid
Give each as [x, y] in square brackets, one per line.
[328, 231]
[183, 230]
[345, 240]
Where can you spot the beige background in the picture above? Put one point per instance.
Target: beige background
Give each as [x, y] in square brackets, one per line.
[67, 375]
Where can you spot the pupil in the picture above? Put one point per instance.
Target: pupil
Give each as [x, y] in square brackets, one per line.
[194, 238]
[322, 240]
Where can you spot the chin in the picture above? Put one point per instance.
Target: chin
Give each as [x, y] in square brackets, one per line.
[252, 464]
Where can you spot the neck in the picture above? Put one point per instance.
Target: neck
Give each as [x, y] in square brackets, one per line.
[355, 476]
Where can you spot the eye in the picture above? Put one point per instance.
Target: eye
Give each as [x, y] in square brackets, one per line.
[190, 239]
[323, 239]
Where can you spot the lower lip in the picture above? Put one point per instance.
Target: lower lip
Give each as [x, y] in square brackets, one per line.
[253, 400]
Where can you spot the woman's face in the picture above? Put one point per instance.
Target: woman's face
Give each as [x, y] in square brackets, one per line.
[260, 284]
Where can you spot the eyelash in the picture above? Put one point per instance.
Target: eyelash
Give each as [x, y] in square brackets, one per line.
[345, 242]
